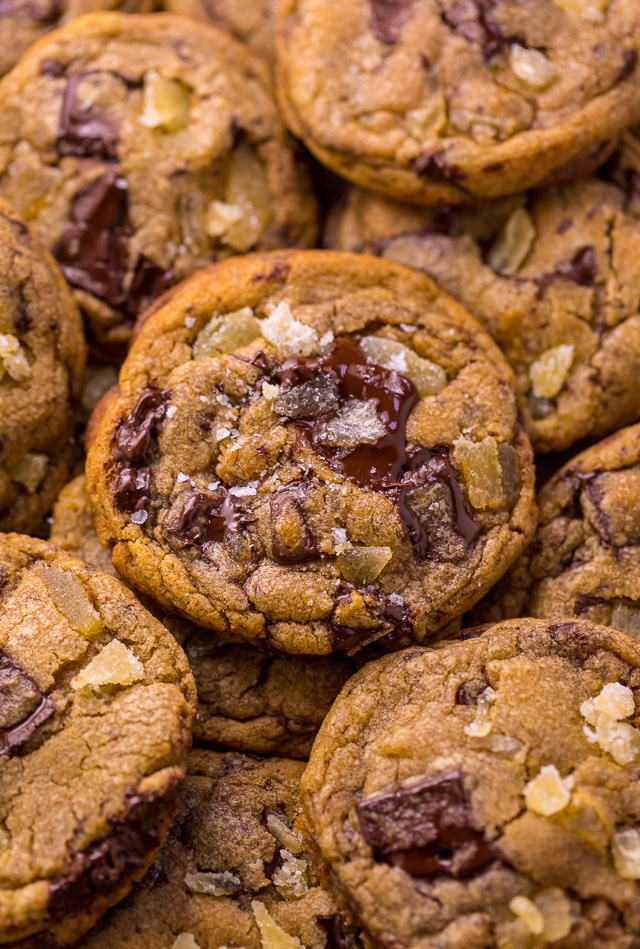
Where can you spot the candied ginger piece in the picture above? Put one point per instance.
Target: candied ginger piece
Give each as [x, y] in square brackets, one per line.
[626, 619]
[291, 878]
[428, 377]
[481, 725]
[71, 599]
[225, 334]
[626, 852]
[114, 665]
[213, 884]
[12, 359]
[550, 371]
[272, 936]
[362, 565]
[315, 397]
[532, 67]
[248, 190]
[556, 913]
[548, 793]
[593, 11]
[289, 336]
[357, 423]
[166, 103]
[29, 470]
[512, 245]
[526, 910]
[283, 833]
[479, 463]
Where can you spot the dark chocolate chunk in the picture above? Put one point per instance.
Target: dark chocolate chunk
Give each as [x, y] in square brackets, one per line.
[391, 627]
[84, 133]
[94, 253]
[585, 602]
[204, 520]
[471, 20]
[22, 321]
[581, 269]
[147, 283]
[100, 869]
[388, 17]
[435, 165]
[426, 828]
[132, 450]
[23, 706]
[292, 539]
[53, 68]
[339, 935]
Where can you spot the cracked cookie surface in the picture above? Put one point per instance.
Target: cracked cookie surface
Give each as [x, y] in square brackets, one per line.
[550, 274]
[248, 700]
[584, 559]
[97, 706]
[42, 357]
[233, 871]
[486, 793]
[450, 101]
[252, 21]
[142, 148]
[312, 451]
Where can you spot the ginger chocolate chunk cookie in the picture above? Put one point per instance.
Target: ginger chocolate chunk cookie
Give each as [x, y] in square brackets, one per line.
[42, 357]
[95, 725]
[550, 274]
[142, 148]
[248, 699]
[233, 871]
[447, 101]
[584, 560]
[313, 451]
[486, 794]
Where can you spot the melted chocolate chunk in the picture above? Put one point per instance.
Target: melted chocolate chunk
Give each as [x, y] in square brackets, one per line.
[204, 520]
[468, 692]
[585, 602]
[148, 282]
[436, 166]
[426, 829]
[369, 465]
[132, 449]
[388, 17]
[94, 253]
[100, 870]
[581, 269]
[23, 706]
[83, 132]
[391, 626]
[292, 539]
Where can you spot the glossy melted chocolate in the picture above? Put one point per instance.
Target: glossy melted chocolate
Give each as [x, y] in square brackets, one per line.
[132, 450]
[204, 520]
[426, 829]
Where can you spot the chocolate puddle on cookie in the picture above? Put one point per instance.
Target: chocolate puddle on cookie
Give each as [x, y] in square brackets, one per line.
[383, 462]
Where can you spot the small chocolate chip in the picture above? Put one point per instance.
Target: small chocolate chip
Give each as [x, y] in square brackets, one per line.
[388, 17]
[581, 269]
[469, 691]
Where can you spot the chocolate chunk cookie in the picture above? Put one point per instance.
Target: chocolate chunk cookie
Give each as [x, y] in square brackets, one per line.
[313, 451]
[584, 560]
[42, 357]
[447, 101]
[95, 725]
[486, 794]
[550, 274]
[247, 699]
[252, 21]
[143, 148]
[232, 871]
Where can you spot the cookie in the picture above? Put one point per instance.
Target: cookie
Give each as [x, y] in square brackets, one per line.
[142, 148]
[486, 794]
[252, 22]
[584, 560]
[95, 725]
[550, 274]
[42, 357]
[21, 24]
[232, 871]
[314, 452]
[248, 700]
[447, 102]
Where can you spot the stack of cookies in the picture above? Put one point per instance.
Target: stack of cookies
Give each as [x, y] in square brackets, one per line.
[320, 474]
